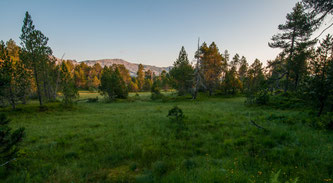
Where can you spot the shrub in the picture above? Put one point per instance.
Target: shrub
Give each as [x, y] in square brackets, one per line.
[324, 121]
[259, 98]
[92, 100]
[176, 114]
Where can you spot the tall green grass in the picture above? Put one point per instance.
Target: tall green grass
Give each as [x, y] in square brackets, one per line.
[134, 141]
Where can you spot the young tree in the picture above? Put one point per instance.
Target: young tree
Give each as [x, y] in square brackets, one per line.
[231, 83]
[182, 72]
[68, 87]
[242, 71]
[296, 34]
[9, 141]
[164, 80]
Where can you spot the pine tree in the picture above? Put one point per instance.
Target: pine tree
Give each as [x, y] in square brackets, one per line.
[256, 76]
[212, 66]
[296, 34]
[140, 77]
[35, 55]
[182, 73]
[9, 141]
[242, 71]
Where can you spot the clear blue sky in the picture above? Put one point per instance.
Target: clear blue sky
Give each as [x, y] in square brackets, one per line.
[148, 31]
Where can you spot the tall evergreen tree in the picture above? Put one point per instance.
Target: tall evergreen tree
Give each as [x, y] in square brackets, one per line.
[35, 55]
[182, 73]
[212, 66]
[296, 34]
[140, 77]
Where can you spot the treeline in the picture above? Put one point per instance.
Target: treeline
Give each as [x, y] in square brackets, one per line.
[303, 70]
[30, 71]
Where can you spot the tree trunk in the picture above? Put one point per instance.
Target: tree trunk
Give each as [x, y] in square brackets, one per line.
[38, 87]
[289, 60]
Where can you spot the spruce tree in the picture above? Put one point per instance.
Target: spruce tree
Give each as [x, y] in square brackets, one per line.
[182, 73]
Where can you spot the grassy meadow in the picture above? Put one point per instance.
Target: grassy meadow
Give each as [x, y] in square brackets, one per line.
[133, 140]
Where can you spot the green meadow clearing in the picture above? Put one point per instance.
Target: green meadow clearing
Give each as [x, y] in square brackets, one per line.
[133, 140]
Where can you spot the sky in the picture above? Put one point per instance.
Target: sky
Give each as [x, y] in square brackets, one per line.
[148, 31]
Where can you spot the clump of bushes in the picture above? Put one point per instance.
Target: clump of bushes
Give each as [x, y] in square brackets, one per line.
[92, 100]
[259, 98]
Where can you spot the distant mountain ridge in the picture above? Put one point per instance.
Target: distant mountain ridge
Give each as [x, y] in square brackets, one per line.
[132, 67]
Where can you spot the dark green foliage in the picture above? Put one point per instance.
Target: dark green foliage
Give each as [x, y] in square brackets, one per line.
[319, 85]
[9, 141]
[182, 73]
[155, 90]
[294, 40]
[112, 84]
[176, 114]
[320, 8]
[92, 100]
[159, 168]
[261, 97]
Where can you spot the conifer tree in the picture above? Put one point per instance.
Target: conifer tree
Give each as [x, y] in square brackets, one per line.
[140, 77]
[320, 85]
[112, 84]
[212, 66]
[297, 30]
[68, 87]
[35, 55]
[182, 73]
[242, 71]
[9, 141]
